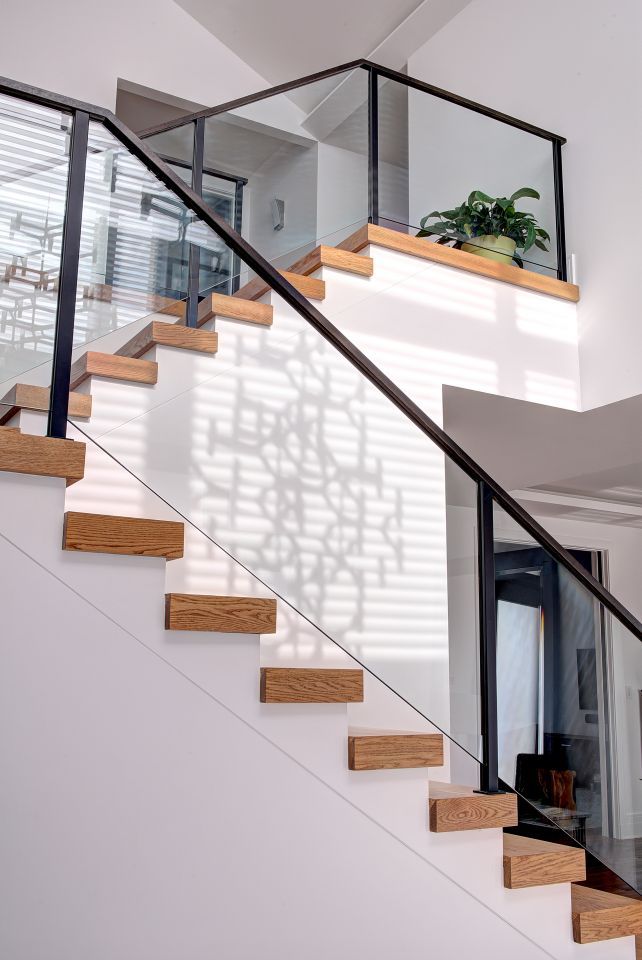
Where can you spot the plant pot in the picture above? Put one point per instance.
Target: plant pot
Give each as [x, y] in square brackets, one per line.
[492, 248]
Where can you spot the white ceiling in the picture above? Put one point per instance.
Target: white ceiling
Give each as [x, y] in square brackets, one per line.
[286, 39]
[596, 454]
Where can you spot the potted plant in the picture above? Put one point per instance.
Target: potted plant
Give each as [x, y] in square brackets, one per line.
[489, 227]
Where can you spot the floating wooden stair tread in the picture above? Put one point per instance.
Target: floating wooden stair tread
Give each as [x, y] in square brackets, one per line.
[158, 333]
[310, 287]
[234, 308]
[29, 397]
[186, 611]
[378, 750]
[454, 808]
[41, 456]
[93, 364]
[534, 863]
[604, 916]
[324, 256]
[429, 250]
[296, 685]
[100, 533]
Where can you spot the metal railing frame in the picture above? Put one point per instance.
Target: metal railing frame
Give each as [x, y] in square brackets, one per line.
[490, 492]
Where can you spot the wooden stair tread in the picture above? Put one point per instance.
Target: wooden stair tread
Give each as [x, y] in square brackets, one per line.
[93, 364]
[598, 915]
[394, 750]
[324, 256]
[235, 308]
[428, 250]
[309, 685]
[30, 397]
[102, 533]
[160, 333]
[452, 807]
[310, 287]
[534, 863]
[185, 611]
[41, 456]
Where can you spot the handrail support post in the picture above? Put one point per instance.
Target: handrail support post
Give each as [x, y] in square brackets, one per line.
[194, 254]
[489, 774]
[68, 279]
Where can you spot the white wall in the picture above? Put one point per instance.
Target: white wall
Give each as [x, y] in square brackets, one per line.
[550, 77]
[81, 49]
[131, 820]
[145, 750]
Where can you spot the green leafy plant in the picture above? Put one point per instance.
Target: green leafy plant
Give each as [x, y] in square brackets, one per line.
[481, 215]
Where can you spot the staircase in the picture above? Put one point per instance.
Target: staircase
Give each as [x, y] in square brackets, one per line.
[594, 916]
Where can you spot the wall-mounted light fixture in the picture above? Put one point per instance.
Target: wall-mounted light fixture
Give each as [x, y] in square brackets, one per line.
[278, 214]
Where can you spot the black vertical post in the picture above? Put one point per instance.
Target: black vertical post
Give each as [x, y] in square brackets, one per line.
[194, 255]
[560, 228]
[373, 146]
[489, 777]
[238, 226]
[68, 280]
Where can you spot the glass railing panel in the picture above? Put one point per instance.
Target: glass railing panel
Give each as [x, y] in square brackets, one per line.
[302, 160]
[288, 458]
[34, 151]
[569, 695]
[433, 154]
[176, 146]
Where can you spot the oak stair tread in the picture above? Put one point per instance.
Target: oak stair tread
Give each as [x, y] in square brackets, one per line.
[452, 808]
[161, 333]
[132, 536]
[93, 364]
[598, 915]
[438, 253]
[41, 456]
[335, 257]
[310, 685]
[228, 308]
[394, 750]
[534, 863]
[310, 287]
[220, 614]
[28, 396]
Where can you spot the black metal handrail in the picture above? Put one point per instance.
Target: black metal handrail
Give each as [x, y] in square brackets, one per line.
[377, 68]
[489, 490]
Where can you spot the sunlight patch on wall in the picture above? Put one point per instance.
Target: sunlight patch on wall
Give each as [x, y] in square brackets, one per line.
[542, 316]
[554, 391]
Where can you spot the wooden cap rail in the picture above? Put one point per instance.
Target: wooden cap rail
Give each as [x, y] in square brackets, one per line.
[447, 256]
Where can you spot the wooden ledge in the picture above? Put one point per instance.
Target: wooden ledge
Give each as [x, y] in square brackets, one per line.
[429, 250]
[186, 611]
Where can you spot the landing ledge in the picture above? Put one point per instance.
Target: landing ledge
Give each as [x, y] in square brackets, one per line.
[371, 233]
